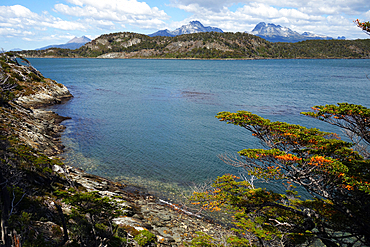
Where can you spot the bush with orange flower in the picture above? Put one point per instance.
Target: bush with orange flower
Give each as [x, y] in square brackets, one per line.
[332, 174]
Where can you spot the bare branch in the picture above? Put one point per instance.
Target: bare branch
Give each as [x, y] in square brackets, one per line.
[278, 223]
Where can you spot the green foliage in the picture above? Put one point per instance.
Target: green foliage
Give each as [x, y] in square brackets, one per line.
[329, 169]
[145, 238]
[93, 203]
[16, 75]
[92, 215]
[28, 180]
[204, 240]
[365, 26]
[34, 77]
[4, 65]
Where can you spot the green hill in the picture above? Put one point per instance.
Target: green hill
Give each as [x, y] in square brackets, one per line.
[209, 45]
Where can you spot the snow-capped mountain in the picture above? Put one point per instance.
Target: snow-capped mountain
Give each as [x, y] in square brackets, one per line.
[192, 27]
[79, 40]
[277, 33]
[74, 43]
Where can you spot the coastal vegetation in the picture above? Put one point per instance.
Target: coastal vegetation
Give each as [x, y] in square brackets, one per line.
[326, 181]
[40, 204]
[210, 45]
[44, 202]
[365, 25]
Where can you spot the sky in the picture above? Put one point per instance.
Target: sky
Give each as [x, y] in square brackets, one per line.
[28, 25]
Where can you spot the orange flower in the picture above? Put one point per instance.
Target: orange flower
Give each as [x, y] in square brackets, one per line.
[349, 187]
[288, 157]
[319, 161]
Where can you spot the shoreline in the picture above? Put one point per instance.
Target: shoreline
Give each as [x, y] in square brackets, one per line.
[171, 225]
[200, 59]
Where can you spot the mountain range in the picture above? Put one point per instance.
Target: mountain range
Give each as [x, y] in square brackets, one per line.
[192, 27]
[277, 33]
[269, 32]
[74, 43]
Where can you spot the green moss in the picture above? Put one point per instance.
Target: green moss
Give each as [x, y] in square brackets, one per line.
[144, 238]
[4, 65]
[16, 75]
[34, 77]
[47, 170]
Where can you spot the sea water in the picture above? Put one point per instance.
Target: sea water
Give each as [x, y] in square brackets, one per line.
[151, 123]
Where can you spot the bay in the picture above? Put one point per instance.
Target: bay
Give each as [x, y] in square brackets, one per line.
[152, 123]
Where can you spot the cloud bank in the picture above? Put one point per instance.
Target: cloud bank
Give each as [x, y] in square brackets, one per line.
[70, 18]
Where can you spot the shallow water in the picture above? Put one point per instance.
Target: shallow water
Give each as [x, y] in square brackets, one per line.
[151, 122]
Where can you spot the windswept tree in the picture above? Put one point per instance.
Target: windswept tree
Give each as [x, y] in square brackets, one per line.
[331, 173]
[365, 26]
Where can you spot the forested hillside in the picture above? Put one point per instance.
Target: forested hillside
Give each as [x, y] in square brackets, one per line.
[209, 45]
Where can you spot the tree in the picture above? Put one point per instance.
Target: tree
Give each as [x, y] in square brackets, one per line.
[365, 26]
[92, 214]
[330, 170]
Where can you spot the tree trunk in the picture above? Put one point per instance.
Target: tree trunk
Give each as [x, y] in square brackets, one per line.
[5, 204]
[65, 231]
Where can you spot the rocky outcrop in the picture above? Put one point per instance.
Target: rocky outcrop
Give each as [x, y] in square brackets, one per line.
[24, 124]
[171, 225]
[136, 54]
[123, 39]
[48, 93]
[36, 128]
[184, 46]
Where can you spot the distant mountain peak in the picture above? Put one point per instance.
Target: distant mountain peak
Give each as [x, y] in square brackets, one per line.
[192, 27]
[74, 43]
[196, 23]
[82, 39]
[277, 33]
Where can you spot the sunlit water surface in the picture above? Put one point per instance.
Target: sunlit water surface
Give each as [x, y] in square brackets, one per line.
[151, 123]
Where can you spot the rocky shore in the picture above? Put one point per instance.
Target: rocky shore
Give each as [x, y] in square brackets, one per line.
[26, 124]
[171, 225]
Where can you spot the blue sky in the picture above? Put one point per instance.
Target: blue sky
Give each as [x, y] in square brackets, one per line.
[29, 24]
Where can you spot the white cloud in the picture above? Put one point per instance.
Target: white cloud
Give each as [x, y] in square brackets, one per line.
[367, 15]
[214, 5]
[119, 11]
[100, 24]
[54, 38]
[64, 25]
[333, 17]
[81, 17]
[8, 31]
[312, 6]
[248, 16]
[22, 19]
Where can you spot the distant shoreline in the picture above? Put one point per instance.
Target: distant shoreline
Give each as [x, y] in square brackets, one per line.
[202, 59]
[207, 46]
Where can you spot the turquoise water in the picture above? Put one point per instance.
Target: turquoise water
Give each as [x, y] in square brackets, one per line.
[151, 122]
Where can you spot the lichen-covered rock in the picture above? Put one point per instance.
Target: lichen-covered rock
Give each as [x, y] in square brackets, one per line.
[46, 92]
[35, 128]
